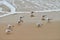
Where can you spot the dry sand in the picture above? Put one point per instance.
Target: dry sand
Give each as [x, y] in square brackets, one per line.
[29, 31]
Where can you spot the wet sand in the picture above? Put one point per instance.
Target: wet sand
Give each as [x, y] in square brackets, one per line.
[29, 31]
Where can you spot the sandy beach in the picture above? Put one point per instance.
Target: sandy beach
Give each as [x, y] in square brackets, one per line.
[28, 29]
